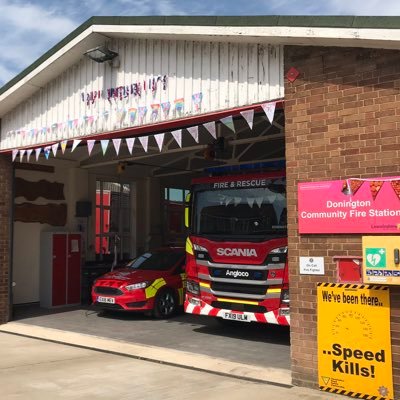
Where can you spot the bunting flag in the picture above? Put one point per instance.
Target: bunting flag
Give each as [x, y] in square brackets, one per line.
[37, 153]
[194, 131]
[64, 145]
[250, 201]
[159, 139]
[75, 144]
[177, 136]
[144, 140]
[165, 108]
[237, 200]
[155, 108]
[279, 205]
[130, 142]
[117, 145]
[54, 149]
[259, 201]
[210, 126]
[249, 117]
[375, 187]
[104, 145]
[90, 145]
[28, 154]
[21, 154]
[121, 114]
[197, 98]
[179, 106]
[228, 121]
[269, 109]
[14, 154]
[132, 115]
[142, 114]
[47, 151]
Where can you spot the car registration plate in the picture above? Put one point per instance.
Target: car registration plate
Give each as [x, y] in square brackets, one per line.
[109, 300]
[236, 317]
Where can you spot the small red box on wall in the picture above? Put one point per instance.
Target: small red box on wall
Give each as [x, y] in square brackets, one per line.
[348, 269]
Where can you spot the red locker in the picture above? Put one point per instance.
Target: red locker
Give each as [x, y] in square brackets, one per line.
[60, 269]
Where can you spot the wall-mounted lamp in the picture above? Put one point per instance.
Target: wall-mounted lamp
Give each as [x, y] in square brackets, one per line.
[101, 54]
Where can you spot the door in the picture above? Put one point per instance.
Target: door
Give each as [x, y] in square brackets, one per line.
[59, 283]
[74, 269]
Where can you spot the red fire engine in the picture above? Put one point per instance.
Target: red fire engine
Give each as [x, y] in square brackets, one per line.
[236, 251]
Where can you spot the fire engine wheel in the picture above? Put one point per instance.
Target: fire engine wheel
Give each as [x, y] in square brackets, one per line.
[165, 304]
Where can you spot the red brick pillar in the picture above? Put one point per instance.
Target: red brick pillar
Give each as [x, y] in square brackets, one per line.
[342, 119]
[6, 178]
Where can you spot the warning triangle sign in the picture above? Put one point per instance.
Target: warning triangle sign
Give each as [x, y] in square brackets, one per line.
[326, 379]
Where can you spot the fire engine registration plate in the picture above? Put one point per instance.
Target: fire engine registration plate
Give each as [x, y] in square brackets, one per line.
[236, 317]
[110, 300]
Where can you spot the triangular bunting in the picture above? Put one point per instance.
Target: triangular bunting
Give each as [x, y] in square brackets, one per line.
[194, 131]
[259, 201]
[210, 126]
[269, 109]
[117, 145]
[144, 140]
[54, 149]
[28, 154]
[228, 121]
[37, 153]
[14, 154]
[130, 142]
[75, 144]
[21, 154]
[250, 201]
[237, 200]
[159, 139]
[177, 136]
[104, 145]
[375, 187]
[64, 145]
[249, 117]
[47, 151]
[90, 145]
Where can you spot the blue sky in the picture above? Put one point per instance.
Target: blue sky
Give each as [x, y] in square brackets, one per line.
[29, 28]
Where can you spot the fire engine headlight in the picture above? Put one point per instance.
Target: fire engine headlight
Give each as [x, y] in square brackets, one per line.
[140, 285]
[279, 250]
[199, 248]
[192, 287]
[285, 296]
[200, 252]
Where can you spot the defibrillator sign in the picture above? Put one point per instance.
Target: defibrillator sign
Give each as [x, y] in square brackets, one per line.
[354, 345]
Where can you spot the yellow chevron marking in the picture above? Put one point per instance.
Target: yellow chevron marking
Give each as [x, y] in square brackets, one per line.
[274, 290]
[151, 291]
[189, 247]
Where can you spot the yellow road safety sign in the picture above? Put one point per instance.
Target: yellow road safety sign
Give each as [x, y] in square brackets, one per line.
[354, 345]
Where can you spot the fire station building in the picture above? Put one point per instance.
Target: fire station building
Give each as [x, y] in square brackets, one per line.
[103, 134]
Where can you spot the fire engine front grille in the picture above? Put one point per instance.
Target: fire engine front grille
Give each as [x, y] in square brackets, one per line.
[107, 290]
[238, 288]
[239, 307]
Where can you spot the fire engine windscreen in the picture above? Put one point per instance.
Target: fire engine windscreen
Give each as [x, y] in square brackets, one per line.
[256, 211]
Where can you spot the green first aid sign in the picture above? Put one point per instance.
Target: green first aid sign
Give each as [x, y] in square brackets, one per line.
[375, 257]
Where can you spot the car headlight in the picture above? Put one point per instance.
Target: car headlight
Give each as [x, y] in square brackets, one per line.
[140, 285]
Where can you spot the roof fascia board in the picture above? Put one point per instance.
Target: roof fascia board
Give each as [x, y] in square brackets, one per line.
[54, 57]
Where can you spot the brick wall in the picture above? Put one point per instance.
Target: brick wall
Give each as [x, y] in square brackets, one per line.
[5, 212]
[342, 120]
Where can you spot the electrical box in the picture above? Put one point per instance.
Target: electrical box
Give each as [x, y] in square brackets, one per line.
[381, 259]
[348, 269]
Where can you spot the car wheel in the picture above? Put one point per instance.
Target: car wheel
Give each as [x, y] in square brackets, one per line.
[165, 304]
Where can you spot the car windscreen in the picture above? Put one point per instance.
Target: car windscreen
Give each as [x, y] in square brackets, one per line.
[236, 212]
[157, 260]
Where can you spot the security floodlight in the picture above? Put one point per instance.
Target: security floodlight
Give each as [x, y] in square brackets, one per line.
[101, 54]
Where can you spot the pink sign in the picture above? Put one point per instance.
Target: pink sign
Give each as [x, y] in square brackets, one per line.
[350, 206]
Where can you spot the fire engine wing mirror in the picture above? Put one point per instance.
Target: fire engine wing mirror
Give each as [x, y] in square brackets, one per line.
[187, 210]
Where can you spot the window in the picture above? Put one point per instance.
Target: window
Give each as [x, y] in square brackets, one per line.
[174, 205]
[113, 220]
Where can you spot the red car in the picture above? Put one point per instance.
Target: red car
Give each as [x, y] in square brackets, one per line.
[152, 283]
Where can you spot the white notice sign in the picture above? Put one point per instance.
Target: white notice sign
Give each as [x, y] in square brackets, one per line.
[312, 266]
